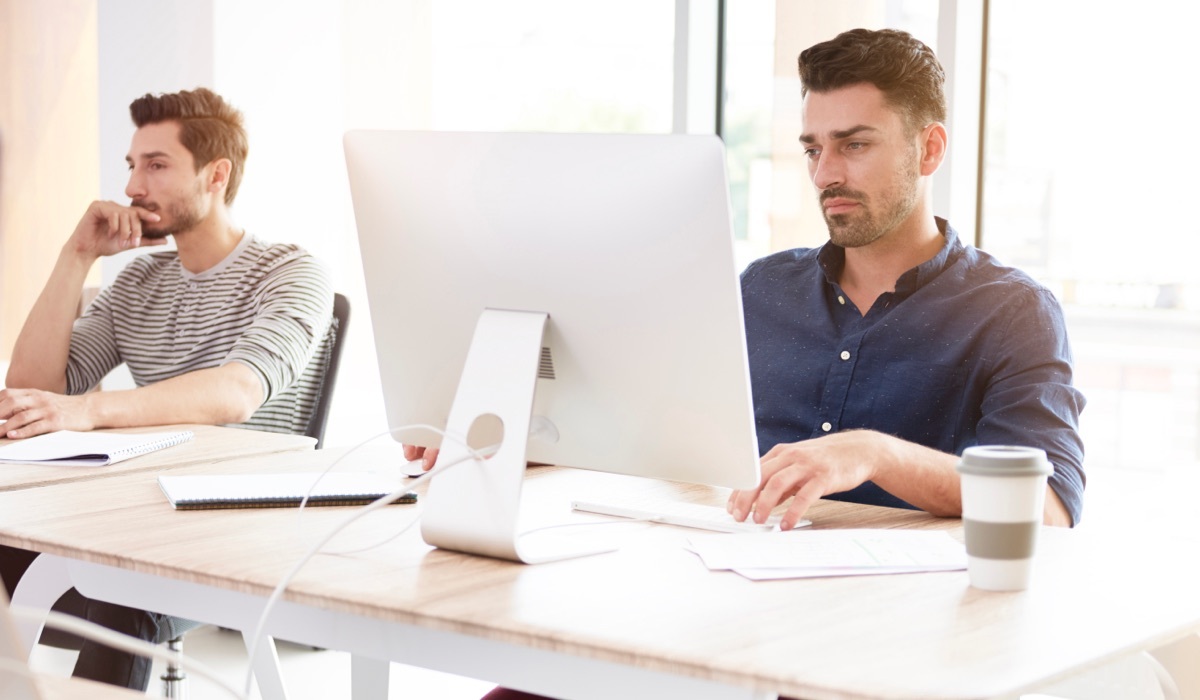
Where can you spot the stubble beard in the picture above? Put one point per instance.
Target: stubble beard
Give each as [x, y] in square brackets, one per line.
[183, 214]
[865, 225]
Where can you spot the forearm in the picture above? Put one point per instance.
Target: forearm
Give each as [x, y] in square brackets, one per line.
[227, 394]
[39, 358]
[927, 479]
[920, 475]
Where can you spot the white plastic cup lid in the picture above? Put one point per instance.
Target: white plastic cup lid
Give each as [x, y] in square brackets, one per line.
[1004, 460]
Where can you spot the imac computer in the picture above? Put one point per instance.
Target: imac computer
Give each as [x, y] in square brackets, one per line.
[573, 297]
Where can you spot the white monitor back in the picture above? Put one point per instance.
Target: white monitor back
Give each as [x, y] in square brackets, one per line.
[624, 240]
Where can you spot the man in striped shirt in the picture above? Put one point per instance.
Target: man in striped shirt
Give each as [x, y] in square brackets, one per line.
[227, 329]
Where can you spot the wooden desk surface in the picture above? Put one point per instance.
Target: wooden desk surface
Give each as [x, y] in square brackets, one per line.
[211, 444]
[653, 604]
[78, 689]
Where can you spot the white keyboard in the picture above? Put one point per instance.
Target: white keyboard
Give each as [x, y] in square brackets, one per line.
[673, 512]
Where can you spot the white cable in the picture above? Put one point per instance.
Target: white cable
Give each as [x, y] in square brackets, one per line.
[363, 443]
[472, 454]
[116, 640]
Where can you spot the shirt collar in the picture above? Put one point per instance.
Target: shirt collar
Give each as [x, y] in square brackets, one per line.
[220, 267]
[833, 257]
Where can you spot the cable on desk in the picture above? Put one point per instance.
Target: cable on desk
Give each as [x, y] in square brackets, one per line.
[472, 455]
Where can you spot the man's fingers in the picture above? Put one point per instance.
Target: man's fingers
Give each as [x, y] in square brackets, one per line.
[801, 502]
[19, 424]
[135, 231]
[412, 452]
[776, 490]
[146, 215]
[741, 502]
[430, 458]
[128, 222]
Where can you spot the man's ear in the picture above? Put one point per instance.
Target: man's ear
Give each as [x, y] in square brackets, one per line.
[218, 176]
[934, 141]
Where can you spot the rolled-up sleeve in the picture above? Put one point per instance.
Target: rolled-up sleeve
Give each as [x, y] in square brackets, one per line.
[1031, 400]
[93, 351]
[294, 308]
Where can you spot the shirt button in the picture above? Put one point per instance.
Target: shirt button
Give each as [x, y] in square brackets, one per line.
[845, 355]
[826, 427]
[841, 300]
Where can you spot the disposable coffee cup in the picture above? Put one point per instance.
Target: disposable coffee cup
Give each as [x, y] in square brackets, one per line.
[1003, 494]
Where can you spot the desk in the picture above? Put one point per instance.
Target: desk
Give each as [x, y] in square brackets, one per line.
[211, 444]
[77, 689]
[645, 622]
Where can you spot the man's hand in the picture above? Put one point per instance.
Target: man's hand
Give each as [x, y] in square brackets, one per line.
[107, 228]
[30, 412]
[807, 471]
[427, 455]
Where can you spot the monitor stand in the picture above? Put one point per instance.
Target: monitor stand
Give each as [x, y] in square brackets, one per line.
[473, 506]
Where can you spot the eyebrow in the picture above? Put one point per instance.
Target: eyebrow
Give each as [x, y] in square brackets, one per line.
[839, 134]
[148, 156]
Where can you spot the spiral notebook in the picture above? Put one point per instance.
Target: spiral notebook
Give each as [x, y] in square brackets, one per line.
[69, 448]
[206, 491]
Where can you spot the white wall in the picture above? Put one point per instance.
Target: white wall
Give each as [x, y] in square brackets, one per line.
[282, 65]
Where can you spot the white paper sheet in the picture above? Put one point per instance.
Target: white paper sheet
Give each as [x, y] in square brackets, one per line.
[809, 553]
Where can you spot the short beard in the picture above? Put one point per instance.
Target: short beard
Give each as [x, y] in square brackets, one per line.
[182, 216]
[863, 227]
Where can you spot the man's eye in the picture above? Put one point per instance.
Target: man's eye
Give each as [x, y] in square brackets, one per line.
[855, 146]
[812, 152]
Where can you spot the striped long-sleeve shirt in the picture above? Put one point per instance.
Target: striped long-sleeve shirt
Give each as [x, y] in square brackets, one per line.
[265, 305]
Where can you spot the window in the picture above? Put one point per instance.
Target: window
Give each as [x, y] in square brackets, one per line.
[774, 207]
[1089, 167]
[522, 65]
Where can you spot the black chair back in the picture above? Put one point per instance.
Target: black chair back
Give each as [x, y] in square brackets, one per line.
[320, 415]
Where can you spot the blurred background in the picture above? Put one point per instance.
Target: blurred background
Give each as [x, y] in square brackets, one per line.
[1057, 108]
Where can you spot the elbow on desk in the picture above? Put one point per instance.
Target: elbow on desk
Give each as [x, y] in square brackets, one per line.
[233, 414]
[238, 405]
[238, 394]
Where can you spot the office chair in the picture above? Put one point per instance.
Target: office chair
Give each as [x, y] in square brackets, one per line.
[173, 676]
[337, 329]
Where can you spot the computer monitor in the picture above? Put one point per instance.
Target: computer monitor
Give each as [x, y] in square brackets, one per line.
[582, 285]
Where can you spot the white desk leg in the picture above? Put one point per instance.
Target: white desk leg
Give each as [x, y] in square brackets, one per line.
[1181, 661]
[265, 663]
[369, 678]
[43, 583]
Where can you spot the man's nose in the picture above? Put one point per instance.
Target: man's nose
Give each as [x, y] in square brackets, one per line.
[828, 171]
[136, 187]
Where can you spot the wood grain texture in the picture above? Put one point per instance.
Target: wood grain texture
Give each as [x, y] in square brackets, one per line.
[211, 444]
[52, 688]
[652, 604]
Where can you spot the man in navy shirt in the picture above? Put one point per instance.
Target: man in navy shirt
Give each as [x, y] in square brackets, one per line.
[877, 358]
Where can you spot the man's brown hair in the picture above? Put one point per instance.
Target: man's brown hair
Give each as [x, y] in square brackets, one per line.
[208, 127]
[904, 69]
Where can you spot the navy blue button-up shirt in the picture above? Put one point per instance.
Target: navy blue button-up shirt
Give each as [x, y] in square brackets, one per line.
[964, 352]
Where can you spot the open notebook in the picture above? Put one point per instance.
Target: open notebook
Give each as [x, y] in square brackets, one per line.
[203, 491]
[74, 449]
